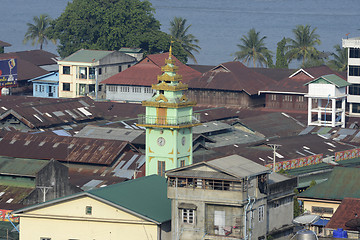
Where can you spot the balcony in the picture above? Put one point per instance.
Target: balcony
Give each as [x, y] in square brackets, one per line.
[182, 121]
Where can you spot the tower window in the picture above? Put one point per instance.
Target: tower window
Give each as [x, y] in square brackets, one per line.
[88, 210]
[161, 168]
[182, 163]
[161, 91]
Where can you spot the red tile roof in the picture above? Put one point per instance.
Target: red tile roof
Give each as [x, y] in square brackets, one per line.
[146, 71]
[299, 78]
[232, 76]
[349, 209]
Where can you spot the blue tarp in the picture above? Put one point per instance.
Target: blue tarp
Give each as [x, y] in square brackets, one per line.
[321, 222]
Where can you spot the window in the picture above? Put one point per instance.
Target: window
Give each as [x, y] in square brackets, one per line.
[82, 72]
[300, 98]
[161, 168]
[100, 71]
[92, 73]
[45, 238]
[66, 70]
[356, 108]
[261, 213]
[354, 71]
[124, 89]
[120, 68]
[66, 86]
[112, 88]
[92, 88]
[354, 52]
[36, 88]
[42, 88]
[188, 216]
[148, 90]
[273, 97]
[182, 163]
[287, 98]
[137, 89]
[354, 89]
[88, 210]
[129, 65]
[100, 88]
[322, 210]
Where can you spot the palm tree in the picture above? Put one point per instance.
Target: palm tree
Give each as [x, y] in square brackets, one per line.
[37, 32]
[302, 47]
[253, 48]
[339, 61]
[179, 31]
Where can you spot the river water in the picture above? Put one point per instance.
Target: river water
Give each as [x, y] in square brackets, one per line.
[218, 25]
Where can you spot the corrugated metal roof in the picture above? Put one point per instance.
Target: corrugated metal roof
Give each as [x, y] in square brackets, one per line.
[343, 182]
[21, 166]
[90, 131]
[332, 79]
[238, 166]
[347, 210]
[146, 196]
[87, 56]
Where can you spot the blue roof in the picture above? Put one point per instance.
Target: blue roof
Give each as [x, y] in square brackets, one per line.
[52, 77]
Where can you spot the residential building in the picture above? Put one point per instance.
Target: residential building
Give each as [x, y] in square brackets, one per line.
[353, 73]
[289, 93]
[135, 84]
[31, 181]
[230, 84]
[134, 52]
[346, 217]
[327, 88]
[81, 72]
[324, 198]
[46, 86]
[30, 64]
[169, 120]
[135, 210]
[229, 197]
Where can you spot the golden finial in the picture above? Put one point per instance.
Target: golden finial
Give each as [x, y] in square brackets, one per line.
[170, 51]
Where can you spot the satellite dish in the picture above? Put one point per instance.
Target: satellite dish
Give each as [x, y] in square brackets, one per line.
[306, 219]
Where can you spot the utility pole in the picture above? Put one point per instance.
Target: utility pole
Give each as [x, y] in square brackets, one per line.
[44, 190]
[274, 147]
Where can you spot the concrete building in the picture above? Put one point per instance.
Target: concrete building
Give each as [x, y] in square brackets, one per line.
[229, 197]
[329, 91]
[134, 210]
[353, 73]
[81, 72]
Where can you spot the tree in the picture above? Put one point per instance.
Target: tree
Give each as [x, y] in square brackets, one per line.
[38, 31]
[179, 31]
[280, 55]
[340, 58]
[108, 25]
[253, 48]
[302, 47]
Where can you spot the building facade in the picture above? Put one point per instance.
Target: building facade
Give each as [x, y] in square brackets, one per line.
[228, 197]
[46, 86]
[353, 73]
[81, 72]
[168, 120]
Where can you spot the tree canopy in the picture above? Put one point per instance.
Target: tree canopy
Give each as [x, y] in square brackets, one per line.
[110, 25]
[339, 59]
[252, 48]
[303, 46]
[38, 31]
[179, 31]
[281, 61]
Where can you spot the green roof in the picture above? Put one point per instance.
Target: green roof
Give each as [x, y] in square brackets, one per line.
[21, 166]
[146, 196]
[332, 79]
[130, 50]
[343, 182]
[87, 56]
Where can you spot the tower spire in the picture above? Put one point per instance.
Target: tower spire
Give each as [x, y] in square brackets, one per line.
[170, 50]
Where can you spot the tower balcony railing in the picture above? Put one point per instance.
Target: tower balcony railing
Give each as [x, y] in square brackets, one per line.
[169, 121]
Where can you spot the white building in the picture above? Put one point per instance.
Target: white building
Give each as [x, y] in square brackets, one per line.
[353, 73]
[330, 93]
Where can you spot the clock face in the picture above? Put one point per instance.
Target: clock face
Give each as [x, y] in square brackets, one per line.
[161, 141]
[183, 141]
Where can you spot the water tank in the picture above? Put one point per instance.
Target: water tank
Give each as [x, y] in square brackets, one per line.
[306, 234]
[340, 233]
